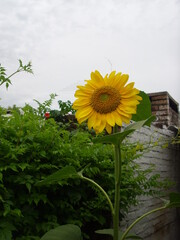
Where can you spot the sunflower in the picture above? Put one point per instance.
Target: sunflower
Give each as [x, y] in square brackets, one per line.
[106, 101]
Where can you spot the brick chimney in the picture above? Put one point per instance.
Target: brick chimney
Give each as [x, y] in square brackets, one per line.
[165, 108]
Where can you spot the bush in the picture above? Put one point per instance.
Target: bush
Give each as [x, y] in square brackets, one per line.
[31, 148]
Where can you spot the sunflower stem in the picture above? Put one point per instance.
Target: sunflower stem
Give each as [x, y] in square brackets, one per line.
[102, 190]
[117, 188]
[139, 219]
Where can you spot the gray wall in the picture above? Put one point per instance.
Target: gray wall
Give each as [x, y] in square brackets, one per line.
[162, 225]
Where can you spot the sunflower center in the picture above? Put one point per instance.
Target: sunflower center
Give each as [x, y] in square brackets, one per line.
[105, 99]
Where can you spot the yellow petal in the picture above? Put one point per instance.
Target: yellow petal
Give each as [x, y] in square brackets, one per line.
[125, 119]
[86, 89]
[95, 81]
[102, 124]
[127, 109]
[110, 119]
[80, 93]
[108, 128]
[82, 112]
[112, 75]
[98, 119]
[92, 121]
[106, 80]
[84, 118]
[139, 98]
[131, 93]
[81, 102]
[116, 80]
[99, 76]
[127, 87]
[123, 112]
[129, 102]
[122, 81]
[117, 117]
[94, 84]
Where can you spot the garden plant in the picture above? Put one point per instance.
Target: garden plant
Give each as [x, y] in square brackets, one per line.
[107, 103]
[57, 174]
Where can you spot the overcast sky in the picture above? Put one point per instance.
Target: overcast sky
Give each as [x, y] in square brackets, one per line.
[67, 39]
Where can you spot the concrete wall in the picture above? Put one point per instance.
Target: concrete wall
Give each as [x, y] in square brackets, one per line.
[162, 225]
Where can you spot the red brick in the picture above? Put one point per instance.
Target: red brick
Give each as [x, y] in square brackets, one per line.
[155, 108]
[154, 113]
[163, 107]
[159, 97]
[160, 102]
[163, 118]
[162, 113]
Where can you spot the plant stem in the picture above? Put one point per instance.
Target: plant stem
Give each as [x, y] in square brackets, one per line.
[117, 188]
[139, 219]
[19, 70]
[102, 190]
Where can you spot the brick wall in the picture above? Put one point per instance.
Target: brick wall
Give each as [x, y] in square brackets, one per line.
[162, 225]
[165, 108]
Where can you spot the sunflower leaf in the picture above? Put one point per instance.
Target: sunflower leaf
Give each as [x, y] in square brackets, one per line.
[108, 231]
[174, 200]
[139, 124]
[117, 138]
[60, 175]
[143, 109]
[64, 232]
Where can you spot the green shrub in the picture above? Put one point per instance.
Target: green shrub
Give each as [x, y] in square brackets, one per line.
[31, 148]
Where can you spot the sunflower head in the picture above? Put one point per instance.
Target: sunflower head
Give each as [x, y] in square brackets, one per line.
[106, 101]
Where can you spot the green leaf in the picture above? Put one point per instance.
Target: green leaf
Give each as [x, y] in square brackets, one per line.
[1, 177]
[23, 166]
[138, 125]
[20, 63]
[117, 138]
[5, 234]
[16, 212]
[28, 185]
[143, 109]
[6, 229]
[13, 167]
[110, 232]
[174, 200]
[113, 138]
[64, 232]
[60, 175]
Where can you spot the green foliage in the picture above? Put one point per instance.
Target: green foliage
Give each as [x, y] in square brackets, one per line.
[65, 115]
[32, 148]
[22, 68]
[59, 176]
[65, 107]
[174, 200]
[65, 232]
[176, 139]
[143, 109]
[45, 106]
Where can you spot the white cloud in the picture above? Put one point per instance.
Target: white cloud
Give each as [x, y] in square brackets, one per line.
[66, 40]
